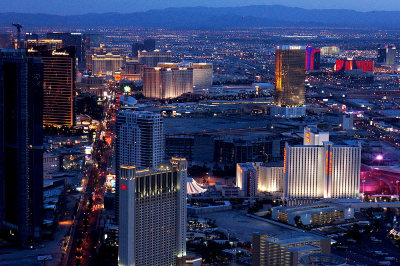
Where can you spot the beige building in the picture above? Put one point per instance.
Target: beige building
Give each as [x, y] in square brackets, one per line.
[287, 249]
[152, 214]
[166, 82]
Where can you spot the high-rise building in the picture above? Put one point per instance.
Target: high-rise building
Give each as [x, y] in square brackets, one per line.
[313, 172]
[386, 54]
[202, 75]
[107, 64]
[165, 83]
[6, 41]
[136, 47]
[290, 76]
[350, 64]
[314, 136]
[313, 58]
[152, 221]
[149, 44]
[330, 50]
[247, 179]
[347, 121]
[152, 58]
[21, 145]
[59, 85]
[255, 177]
[139, 141]
[43, 44]
[287, 249]
[70, 39]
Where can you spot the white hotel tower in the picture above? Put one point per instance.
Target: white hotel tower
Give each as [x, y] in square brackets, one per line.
[139, 142]
[152, 222]
[321, 170]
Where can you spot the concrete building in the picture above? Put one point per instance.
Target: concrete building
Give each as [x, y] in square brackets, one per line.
[202, 75]
[247, 179]
[347, 121]
[139, 141]
[287, 249]
[313, 136]
[386, 55]
[313, 172]
[166, 83]
[152, 221]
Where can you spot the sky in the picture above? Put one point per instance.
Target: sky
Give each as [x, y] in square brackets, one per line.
[71, 7]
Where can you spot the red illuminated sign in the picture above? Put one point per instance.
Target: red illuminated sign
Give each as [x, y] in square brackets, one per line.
[123, 187]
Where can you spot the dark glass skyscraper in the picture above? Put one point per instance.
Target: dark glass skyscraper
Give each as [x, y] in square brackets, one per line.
[290, 75]
[21, 144]
[59, 85]
[70, 39]
[149, 44]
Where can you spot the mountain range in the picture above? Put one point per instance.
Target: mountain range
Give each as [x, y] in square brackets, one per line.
[221, 17]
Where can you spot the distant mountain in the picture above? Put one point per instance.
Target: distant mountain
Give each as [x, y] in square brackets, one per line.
[224, 17]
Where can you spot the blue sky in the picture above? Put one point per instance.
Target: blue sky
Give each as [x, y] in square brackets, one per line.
[63, 7]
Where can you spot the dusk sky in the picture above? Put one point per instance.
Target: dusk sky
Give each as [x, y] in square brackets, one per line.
[63, 7]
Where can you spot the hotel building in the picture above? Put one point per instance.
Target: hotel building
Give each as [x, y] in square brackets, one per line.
[166, 82]
[313, 172]
[59, 79]
[152, 221]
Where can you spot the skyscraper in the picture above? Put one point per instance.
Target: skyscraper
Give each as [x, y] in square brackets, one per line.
[318, 171]
[139, 141]
[70, 39]
[152, 207]
[313, 58]
[247, 179]
[290, 76]
[136, 47]
[165, 83]
[59, 85]
[386, 54]
[202, 75]
[21, 144]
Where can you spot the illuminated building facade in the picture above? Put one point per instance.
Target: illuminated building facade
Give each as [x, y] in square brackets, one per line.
[59, 85]
[290, 76]
[202, 75]
[386, 55]
[151, 59]
[166, 83]
[330, 50]
[287, 249]
[70, 39]
[152, 221]
[313, 58]
[313, 136]
[107, 64]
[43, 44]
[21, 145]
[349, 64]
[255, 177]
[247, 179]
[139, 141]
[313, 172]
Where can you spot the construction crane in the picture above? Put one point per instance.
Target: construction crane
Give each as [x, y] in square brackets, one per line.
[19, 27]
